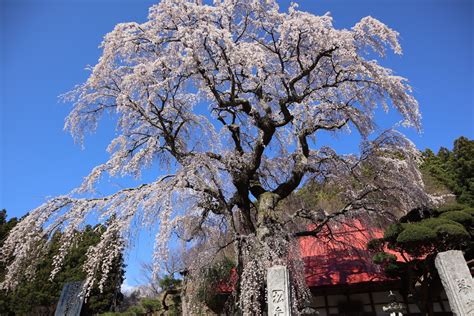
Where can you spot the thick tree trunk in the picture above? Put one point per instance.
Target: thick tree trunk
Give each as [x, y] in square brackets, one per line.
[263, 229]
[267, 216]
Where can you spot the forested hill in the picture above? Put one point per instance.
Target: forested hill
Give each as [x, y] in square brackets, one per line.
[453, 169]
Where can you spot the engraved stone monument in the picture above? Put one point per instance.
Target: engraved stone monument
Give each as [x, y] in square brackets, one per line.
[70, 303]
[278, 288]
[457, 282]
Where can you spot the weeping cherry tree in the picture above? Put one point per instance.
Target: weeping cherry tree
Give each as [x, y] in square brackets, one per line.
[227, 101]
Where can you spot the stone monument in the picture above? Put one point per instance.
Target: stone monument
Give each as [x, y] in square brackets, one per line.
[70, 301]
[457, 282]
[278, 295]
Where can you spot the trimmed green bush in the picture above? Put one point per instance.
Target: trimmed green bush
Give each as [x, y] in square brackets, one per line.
[469, 210]
[458, 216]
[392, 232]
[433, 223]
[384, 257]
[454, 233]
[451, 207]
[416, 235]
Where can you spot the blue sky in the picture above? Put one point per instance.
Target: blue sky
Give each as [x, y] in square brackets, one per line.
[46, 44]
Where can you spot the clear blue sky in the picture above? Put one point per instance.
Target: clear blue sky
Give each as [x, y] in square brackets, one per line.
[46, 44]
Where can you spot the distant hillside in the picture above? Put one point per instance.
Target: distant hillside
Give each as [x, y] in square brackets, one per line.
[451, 170]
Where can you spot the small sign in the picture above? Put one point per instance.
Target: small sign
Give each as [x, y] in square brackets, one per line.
[278, 291]
[70, 301]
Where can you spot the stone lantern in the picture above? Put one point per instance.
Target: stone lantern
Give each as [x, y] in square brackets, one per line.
[394, 307]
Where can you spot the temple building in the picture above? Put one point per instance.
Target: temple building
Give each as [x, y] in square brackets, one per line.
[343, 279]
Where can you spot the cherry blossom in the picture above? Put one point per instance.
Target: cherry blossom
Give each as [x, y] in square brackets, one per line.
[227, 101]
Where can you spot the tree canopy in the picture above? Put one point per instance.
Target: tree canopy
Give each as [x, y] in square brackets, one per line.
[227, 101]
